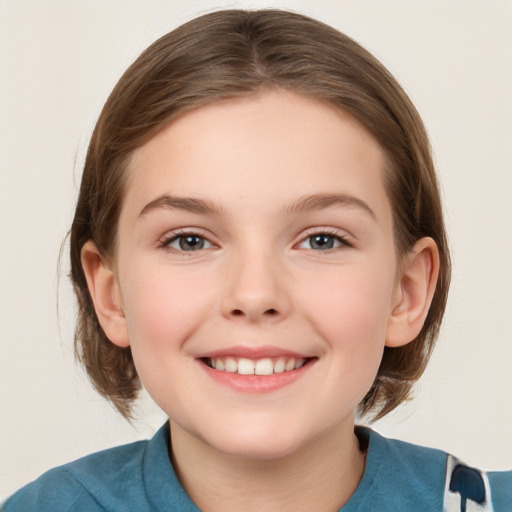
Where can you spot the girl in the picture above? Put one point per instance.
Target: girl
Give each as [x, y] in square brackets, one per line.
[259, 241]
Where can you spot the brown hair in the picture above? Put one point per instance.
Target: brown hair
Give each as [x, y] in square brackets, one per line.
[235, 53]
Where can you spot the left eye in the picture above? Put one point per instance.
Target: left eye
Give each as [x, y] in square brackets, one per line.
[322, 242]
[188, 243]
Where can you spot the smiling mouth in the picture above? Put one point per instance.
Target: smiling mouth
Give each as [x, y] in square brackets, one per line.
[263, 366]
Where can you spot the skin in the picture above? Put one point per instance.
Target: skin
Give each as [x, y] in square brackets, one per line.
[260, 284]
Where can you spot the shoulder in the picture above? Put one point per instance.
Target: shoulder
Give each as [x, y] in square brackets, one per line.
[95, 482]
[55, 490]
[137, 477]
[490, 491]
[406, 475]
[501, 488]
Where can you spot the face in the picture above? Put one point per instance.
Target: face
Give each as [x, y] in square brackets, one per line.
[256, 271]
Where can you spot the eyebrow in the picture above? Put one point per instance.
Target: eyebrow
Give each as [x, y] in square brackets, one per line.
[188, 204]
[322, 201]
[301, 205]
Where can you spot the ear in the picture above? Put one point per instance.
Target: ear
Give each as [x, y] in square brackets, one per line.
[414, 293]
[105, 294]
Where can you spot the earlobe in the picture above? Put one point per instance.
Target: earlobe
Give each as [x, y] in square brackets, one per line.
[105, 295]
[416, 287]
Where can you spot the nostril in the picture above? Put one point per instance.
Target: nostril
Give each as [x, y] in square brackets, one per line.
[268, 312]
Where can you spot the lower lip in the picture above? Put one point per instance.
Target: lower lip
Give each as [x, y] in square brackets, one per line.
[257, 383]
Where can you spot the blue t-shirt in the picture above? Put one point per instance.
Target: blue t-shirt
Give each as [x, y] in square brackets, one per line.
[139, 477]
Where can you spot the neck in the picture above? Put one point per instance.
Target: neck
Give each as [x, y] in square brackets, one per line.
[321, 476]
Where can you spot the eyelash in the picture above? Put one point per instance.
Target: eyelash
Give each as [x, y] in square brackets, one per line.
[328, 232]
[166, 242]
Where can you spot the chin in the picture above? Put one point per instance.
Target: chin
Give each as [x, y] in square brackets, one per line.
[264, 450]
[258, 443]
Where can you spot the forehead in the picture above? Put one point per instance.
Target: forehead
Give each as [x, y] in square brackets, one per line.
[257, 151]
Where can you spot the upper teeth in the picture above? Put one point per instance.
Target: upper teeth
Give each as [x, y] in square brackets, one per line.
[265, 366]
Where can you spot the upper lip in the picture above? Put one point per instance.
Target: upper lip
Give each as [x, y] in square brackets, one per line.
[250, 352]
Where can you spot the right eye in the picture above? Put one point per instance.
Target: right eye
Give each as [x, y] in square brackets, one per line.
[187, 242]
[322, 242]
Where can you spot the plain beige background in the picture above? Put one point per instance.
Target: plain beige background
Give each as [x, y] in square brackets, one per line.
[58, 62]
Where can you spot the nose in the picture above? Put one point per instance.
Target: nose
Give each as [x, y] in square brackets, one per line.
[257, 289]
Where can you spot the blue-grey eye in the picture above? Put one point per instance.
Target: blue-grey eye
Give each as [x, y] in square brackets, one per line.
[189, 243]
[321, 242]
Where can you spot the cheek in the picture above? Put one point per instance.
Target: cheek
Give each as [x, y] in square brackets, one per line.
[351, 306]
[162, 308]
